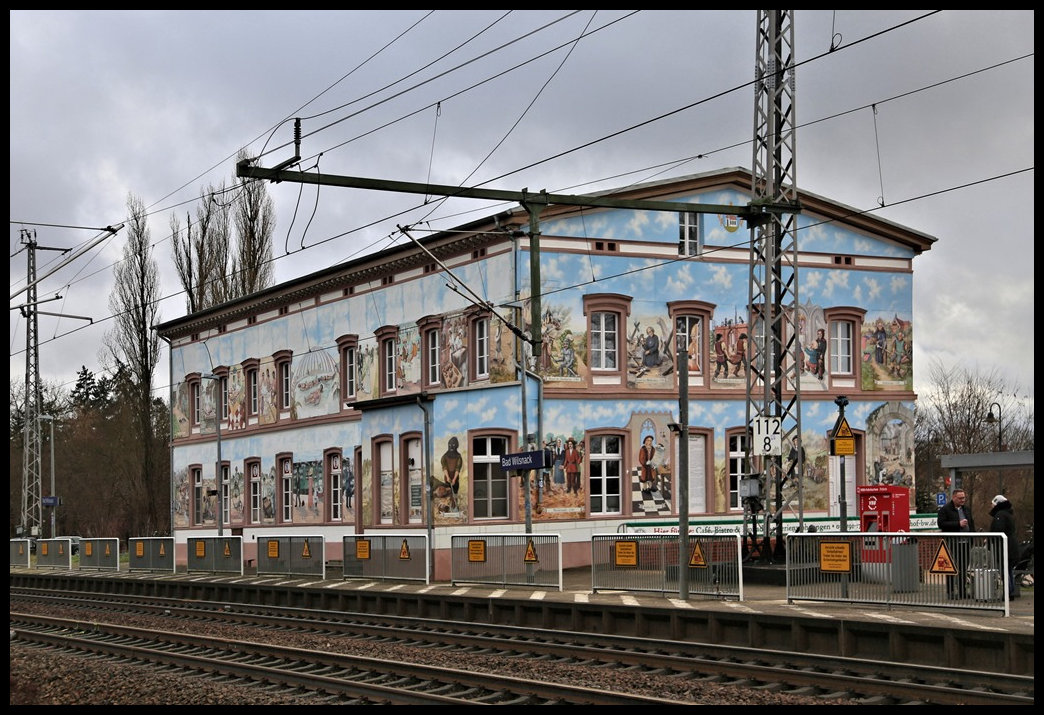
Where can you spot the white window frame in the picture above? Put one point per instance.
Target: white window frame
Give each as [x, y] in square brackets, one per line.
[489, 482]
[689, 242]
[481, 342]
[350, 371]
[224, 398]
[388, 358]
[226, 496]
[605, 473]
[415, 480]
[197, 399]
[605, 341]
[286, 484]
[284, 384]
[737, 448]
[432, 341]
[255, 493]
[252, 391]
[197, 494]
[333, 471]
[841, 346]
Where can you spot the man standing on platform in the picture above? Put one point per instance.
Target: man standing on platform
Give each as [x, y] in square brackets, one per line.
[954, 516]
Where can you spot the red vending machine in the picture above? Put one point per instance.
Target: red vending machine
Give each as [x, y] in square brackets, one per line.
[886, 508]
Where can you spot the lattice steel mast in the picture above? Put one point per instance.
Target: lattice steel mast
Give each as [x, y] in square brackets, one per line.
[32, 484]
[775, 364]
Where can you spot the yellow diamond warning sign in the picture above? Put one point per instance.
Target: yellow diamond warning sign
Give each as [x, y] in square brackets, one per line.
[696, 557]
[842, 441]
[943, 562]
[843, 430]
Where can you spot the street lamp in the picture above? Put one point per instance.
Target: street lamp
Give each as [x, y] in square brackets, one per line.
[50, 418]
[219, 472]
[990, 419]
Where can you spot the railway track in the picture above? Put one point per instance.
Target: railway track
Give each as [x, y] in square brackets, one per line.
[827, 677]
[353, 679]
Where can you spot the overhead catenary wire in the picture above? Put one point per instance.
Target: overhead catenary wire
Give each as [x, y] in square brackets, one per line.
[895, 203]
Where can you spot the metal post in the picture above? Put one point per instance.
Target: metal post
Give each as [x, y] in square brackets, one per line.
[219, 472]
[427, 486]
[1000, 437]
[50, 419]
[681, 365]
[54, 507]
[841, 401]
[220, 468]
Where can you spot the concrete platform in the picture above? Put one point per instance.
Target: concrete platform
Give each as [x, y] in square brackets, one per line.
[764, 590]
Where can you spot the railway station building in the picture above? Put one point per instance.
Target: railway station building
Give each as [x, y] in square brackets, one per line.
[380, 393]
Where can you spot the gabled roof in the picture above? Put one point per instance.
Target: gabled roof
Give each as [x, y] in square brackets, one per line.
[492, 229]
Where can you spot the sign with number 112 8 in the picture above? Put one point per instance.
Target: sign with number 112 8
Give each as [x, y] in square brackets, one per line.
[768, 436]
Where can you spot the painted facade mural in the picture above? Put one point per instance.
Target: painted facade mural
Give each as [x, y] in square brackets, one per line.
[887, 353]
[613, 454]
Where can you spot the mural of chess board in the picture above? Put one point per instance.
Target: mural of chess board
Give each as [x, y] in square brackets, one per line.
[656, 502]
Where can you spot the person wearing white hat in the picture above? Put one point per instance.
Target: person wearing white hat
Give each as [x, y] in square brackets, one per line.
[1004, 522]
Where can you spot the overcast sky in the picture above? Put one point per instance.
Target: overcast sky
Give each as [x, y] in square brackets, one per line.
[925, 119]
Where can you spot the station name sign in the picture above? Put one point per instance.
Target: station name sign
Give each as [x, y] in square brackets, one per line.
[524, 460]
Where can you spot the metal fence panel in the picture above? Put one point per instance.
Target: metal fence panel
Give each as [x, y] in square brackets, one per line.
[151, 553]
[650, 562]
[291, 555]
[21, 553]
[215, 554]
[102, 554]
[386, 556]
[507, 559]
[54, 553]
[939, 570]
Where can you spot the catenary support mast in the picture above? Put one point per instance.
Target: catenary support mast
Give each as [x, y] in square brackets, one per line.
[32, 489]
[775, 362]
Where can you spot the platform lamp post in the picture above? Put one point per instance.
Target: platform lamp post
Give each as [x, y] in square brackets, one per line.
[990, 419]
[50, 419]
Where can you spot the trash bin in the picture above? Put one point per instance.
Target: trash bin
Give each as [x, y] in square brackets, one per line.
[904, 566]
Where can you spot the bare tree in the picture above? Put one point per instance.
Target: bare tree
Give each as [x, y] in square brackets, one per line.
[255, 224]
[134, 347]
[210, 271]
[952, 419]
[201, 253]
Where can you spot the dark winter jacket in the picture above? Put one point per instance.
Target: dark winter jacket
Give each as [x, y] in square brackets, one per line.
[1004, 523]
[949, 521]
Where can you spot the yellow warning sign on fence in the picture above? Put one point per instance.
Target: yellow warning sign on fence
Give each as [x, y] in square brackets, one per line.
[476, 551]
[696, 557]
[404, 551]
[625, 554]
[943, 562]
[306, 550]
[531, 557]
